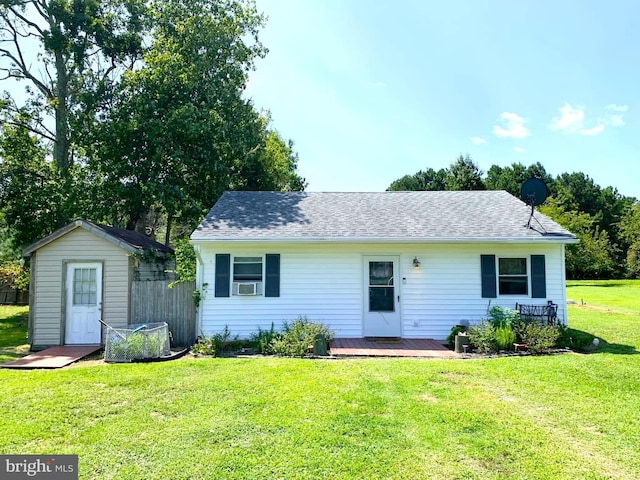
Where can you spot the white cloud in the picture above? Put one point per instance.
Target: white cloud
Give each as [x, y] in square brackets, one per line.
[571, 119]
[511, 125]
[478, 140]
[617, 108]
[518, 149]
[593, 131]
[615, 119]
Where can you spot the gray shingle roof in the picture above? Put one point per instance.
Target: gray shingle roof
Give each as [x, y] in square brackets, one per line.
[388, 216]
[127, 239]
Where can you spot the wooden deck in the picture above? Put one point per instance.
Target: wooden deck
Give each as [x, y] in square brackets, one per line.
[405, 347]
[54, 357]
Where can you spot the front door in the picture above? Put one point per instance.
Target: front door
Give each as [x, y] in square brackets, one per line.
[84, 304]
[382, 297]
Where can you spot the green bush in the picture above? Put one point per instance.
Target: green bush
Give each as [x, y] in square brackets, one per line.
[205, 346]
[538, 338]
[502, 317]
[451, 338]
[483, 337]
[214, 344]
[297, 337]
[263, 339]
[505, 338]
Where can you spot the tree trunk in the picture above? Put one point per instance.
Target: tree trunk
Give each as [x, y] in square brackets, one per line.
[61, 147]
[167, 235]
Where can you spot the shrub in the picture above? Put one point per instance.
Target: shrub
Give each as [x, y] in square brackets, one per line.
[298, 336]
[505, 338]
[502, 317]
[263, 339]
[214, 344]
[205, 346]
[451, 339]
[483, 337]
[539, 338]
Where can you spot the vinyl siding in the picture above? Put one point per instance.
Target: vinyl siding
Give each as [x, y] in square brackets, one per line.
[325, 283]
[48, 296]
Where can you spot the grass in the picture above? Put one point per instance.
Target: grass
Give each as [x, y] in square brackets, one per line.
[570, 416]
[13, 332]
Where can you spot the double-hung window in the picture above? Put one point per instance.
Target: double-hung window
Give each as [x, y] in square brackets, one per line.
[513, 278]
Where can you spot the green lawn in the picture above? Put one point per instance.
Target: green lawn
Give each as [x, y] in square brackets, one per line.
[569, 416]
[13, 332]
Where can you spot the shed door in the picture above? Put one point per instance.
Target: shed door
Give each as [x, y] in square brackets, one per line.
[382, 297]
[84, 304]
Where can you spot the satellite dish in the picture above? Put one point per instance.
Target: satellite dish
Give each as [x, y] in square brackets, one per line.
[533, 192]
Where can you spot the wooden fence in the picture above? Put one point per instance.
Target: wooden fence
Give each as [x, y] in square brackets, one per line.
[11, 296]
[154, 301]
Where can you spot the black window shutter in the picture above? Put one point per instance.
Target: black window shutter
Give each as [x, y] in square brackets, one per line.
[272, 275]
[538, 277]
[488, 272]
[223, 274]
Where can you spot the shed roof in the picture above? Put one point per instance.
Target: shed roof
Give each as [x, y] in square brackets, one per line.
[439, 216]
[127, 239]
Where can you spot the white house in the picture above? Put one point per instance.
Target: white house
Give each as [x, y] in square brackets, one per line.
[388, 264]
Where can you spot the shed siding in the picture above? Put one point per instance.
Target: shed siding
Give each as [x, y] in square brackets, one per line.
[48, 295]
[324, 282]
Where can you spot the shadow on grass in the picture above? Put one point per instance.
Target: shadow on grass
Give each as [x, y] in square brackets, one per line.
[13, 337]
[582, 342]
[599, 284]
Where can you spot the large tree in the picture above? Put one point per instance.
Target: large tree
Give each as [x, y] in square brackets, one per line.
[464, 174]
[428, 179]
[512, 177]
[66, 51]
[178, 131]
[138, 136]
[630, 228]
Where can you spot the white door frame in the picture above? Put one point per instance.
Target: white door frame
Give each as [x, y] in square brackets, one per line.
[386, 322]
[84, 309]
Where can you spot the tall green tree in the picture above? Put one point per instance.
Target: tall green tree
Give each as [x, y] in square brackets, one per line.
[30, 193]
[512, 177]
[178, 131]
[80, 45]
[464, 174]
[428, 179]
[630, 229]
[595, 256]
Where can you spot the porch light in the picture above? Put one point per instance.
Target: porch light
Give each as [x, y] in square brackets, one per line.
[416, 263]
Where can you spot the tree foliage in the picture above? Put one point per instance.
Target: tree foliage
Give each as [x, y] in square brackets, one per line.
[464, 174]
[135, 115]
[81, 45]
[510, 178]
[423, 180]
[606, 222]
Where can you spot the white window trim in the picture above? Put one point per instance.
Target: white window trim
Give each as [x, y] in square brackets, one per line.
[512, 295]
[260, 283]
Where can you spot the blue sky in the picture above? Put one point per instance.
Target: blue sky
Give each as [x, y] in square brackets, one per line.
[370, 91]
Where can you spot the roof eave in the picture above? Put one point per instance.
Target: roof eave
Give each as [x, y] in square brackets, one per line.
[542, 239]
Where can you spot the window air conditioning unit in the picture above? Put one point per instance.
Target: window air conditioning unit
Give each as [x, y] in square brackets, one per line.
[247, 288]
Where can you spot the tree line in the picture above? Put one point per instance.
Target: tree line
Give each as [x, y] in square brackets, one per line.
[132, 115]
[606, 222]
